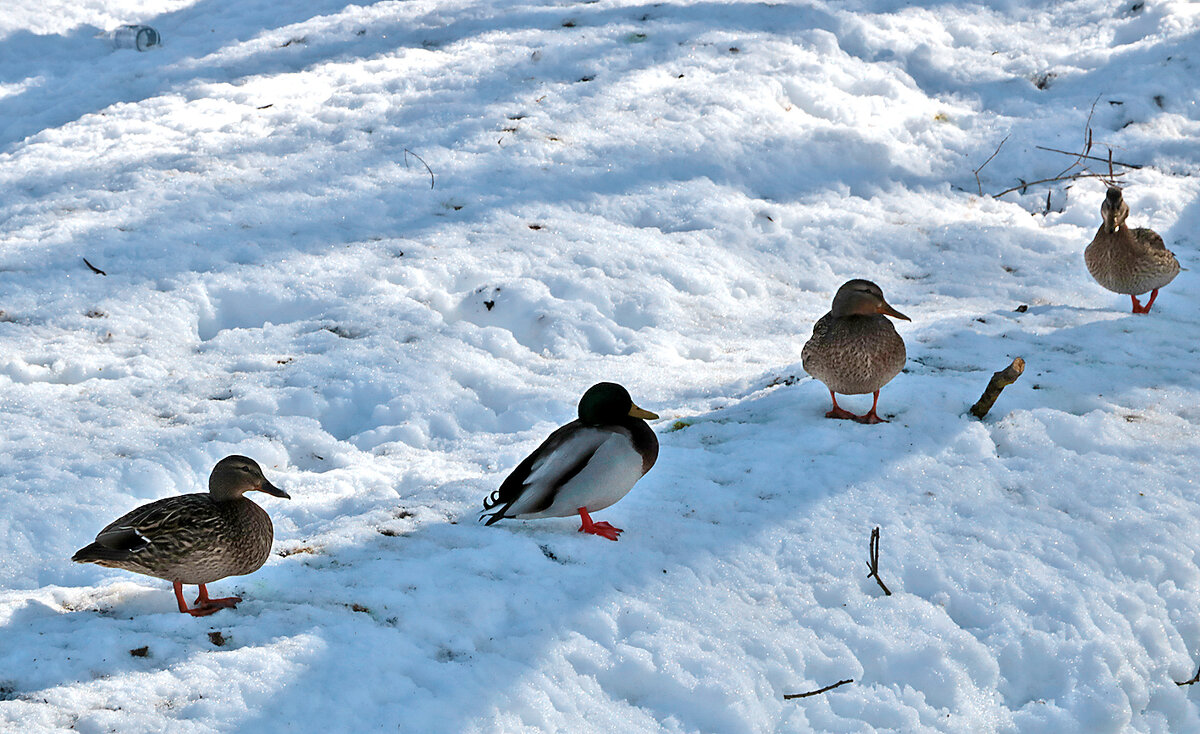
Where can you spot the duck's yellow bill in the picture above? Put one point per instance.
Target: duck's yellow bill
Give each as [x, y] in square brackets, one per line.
[637, 412]
[885, 308]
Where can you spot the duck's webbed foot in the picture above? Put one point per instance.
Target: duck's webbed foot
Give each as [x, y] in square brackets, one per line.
[204, 605]
[603, 529]
[838, 412]
[871, 417]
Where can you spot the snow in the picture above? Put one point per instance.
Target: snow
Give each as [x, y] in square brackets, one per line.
[664, 195]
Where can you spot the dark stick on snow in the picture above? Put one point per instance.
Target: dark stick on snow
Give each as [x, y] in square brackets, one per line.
[1195, 679]
[874, 566]
[999, 381]
[407, 153]
[93, 268]
[1072, 177]
[989, 160]
[788, 696]
[1087, 139]
[1089, 157]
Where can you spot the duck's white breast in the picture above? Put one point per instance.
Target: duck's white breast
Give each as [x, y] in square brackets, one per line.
[607, 477]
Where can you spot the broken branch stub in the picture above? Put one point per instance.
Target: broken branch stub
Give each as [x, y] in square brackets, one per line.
[999, 381]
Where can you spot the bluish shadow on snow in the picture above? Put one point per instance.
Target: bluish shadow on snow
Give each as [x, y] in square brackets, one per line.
[416, 591]
[456, 617]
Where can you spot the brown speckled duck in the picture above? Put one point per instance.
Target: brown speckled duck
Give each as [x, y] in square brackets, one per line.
[194, 538]
[1129, 261]
[854, 349]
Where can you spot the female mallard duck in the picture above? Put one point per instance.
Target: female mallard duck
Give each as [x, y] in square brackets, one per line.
[854, 349]
[584, 466]
[1129, 261]
[194, 538]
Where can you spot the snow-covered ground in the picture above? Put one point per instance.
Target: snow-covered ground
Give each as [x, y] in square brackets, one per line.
[664, 194]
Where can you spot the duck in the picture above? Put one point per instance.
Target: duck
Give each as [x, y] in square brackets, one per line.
[583, 467]
[1125, 260]
[854, 349]
[194, 539]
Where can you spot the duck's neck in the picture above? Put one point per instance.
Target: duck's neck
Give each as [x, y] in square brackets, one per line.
[224, 494]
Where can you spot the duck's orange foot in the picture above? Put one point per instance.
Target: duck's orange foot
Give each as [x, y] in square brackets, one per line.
[870, 418]
[211, 608]
[225, 602]
[843, 414]
[204, 605]
[1139, 308]
[603, 529]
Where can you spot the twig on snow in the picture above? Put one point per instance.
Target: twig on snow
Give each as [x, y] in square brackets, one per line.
[1070, 173]
[1195, 679]
[989, 160]
[873, 564]
[788, 696]
[1087, 138]
[407, 153]
[1089, 157]
[999, 381]
[1072, 177]
[93, 268]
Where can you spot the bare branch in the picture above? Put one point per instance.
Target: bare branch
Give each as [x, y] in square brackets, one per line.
[1087, 139]
[873, 564]
[1070, 173]
[93, 268]
[788, 696]
[989, 160]
[999, 381]
[407, 153]
[1089, 157]
[1195, 679]
[1072, 177]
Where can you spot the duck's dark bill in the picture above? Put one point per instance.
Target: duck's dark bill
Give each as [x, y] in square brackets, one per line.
[271, 489]
[637, 412]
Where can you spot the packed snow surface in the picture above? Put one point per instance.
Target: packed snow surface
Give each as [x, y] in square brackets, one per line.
[382, 248]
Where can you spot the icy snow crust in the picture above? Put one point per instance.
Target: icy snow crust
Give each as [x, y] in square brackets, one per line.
[660, 194]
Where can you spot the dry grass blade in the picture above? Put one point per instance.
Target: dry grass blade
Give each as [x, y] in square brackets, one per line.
[407, 153]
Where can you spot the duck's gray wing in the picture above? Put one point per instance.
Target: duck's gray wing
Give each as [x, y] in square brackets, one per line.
[533, 485]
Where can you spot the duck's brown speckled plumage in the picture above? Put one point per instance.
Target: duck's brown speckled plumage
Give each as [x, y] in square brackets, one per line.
[194, 539]
[854, 349]
[1127, 260]
[855, 354]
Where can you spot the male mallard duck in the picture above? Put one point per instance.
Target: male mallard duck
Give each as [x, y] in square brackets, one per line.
[584, 466]
[854, 349]
[194, 538]
[1129, 261]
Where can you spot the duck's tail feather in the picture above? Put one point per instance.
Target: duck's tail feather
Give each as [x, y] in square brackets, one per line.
[492, 501]
[96, 553]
